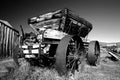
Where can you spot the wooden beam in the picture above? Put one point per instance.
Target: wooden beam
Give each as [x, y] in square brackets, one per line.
[114, 55]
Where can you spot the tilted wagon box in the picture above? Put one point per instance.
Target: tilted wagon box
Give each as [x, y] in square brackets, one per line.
[60, 41]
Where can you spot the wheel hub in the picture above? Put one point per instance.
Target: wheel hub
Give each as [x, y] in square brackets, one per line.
[76, 56]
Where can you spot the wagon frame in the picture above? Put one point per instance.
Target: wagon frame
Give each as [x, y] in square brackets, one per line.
[67, 51]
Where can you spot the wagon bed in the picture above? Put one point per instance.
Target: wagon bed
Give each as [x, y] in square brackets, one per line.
[67, 22]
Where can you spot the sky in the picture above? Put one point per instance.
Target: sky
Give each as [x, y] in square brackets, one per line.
[103, 14]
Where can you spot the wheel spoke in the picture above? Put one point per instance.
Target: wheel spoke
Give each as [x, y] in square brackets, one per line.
[73, 65]
[70, 56]
[70, 49]
[73, 50]
[70, 63]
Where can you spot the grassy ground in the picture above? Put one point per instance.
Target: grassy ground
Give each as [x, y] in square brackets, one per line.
[107, 70]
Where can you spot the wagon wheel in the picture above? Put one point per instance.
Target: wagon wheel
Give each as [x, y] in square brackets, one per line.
[68, 54]
[93, 53]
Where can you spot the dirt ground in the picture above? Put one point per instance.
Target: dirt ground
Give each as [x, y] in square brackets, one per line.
[106, 70]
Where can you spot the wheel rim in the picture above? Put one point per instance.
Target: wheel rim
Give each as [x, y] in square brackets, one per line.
[97, 52]
[70, 55]
[93, 52]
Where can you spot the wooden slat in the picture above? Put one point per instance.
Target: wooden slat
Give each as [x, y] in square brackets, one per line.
[3, 41]
[12, 43]
[0, 32]
[7, 42]
[0, 39]
[8, 49]
[114, 55]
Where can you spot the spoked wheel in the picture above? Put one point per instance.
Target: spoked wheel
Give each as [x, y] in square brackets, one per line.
[93, 53]
[68, 54]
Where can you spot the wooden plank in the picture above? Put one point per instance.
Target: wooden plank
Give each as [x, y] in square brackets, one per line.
[0, 32]
[3, 44]
[8, 52]
[114, 55]
[10, 35]
[7, 42]
[11, 42]
[13, 48]
[3, 41]
[0, 39]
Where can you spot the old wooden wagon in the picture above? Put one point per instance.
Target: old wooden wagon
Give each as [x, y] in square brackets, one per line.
[60, 41]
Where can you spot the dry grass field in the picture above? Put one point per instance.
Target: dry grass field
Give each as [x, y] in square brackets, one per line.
[107, 70]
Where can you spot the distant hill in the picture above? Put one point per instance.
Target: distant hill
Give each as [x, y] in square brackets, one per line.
[118, 44]
[108, 44]
[103, 43]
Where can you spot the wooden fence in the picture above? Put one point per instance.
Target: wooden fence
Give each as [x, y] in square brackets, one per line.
[9, 39]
